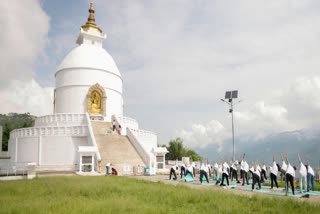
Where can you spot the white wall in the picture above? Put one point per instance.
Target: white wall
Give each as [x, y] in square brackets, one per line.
[61, 150]
[55, 150]
[28, 150]
[72, 86]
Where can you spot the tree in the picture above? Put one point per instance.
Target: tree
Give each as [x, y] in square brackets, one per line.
[193, 155]
[177, 151]
[5, 136]
[13, 121]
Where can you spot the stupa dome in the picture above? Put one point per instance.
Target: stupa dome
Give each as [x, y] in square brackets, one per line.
[89, 56]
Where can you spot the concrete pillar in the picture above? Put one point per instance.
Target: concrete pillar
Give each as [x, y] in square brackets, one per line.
[31, 170]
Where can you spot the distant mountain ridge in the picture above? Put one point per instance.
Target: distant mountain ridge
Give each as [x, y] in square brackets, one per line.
[306, 142]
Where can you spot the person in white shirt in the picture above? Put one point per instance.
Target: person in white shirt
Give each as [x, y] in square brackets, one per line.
[290, 176]
[204, 172]
[225, 173]
[310, 176]
[245, 170]
[173, 171]
[108, 168]
[182, 170]
[209, 169]
[216, 172]
[303, 175]
[234, 171]
[283, 170]
[263, 173]
[274, 173]
[193, 164]
[189, 170]
[113, 125]
[256, 176]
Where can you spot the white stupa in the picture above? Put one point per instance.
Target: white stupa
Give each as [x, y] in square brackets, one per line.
[87, 65]
[79, 135]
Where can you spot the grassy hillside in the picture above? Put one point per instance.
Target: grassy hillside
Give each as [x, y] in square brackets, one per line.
[76, 194]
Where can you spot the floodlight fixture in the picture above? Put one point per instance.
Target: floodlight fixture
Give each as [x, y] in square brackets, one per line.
[231, 94]
[228, 95]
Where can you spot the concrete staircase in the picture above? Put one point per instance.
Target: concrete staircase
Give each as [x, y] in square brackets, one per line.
[115, 149]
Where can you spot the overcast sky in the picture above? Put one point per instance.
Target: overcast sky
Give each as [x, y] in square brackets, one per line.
[177, 58]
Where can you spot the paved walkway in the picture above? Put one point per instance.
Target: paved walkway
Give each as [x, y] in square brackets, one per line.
[234, 188]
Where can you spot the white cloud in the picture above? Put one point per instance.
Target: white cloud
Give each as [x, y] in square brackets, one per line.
[202, 135]
[290, 109]
[303, 101]
[262, 119]
[24, 35]
[27, 96]
[170, 52]
[173, 54]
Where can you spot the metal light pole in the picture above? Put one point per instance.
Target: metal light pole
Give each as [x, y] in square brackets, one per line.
[233, 156]
[230, 95]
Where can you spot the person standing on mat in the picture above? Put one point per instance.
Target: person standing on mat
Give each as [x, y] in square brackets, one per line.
[218, 172]
[182, 170]
[290, 176]
[189, 170]
[303, 175]
[263, 173]
[234, 173]
[225, 174]
[256, 176]
[283, 170]
[274, 173]
[193, 164]
[310, 176]
[173, 172]
[209, 169]
[204, 172]
[245, 167]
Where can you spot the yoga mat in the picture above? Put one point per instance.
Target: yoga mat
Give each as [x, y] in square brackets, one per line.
[188, 178]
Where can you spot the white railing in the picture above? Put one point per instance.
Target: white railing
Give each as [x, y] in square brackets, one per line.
[145, 136]
[139, 148]
[9, 168]
[91, 137]
[50, 131]
[128, 122]
[97, 117]
[61, 119]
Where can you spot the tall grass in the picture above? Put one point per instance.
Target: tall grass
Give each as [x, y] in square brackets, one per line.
[75, 194]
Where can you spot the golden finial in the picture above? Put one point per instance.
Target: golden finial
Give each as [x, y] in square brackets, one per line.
[91, 20]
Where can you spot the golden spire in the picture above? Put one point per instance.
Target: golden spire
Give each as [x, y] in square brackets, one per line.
[91, 20]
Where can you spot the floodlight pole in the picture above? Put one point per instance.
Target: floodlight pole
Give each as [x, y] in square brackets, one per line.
[230, 103]
[232, 132]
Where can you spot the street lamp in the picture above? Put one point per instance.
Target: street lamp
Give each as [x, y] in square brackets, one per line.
[230, 95]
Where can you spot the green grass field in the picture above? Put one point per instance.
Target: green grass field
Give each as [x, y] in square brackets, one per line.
[75, 194]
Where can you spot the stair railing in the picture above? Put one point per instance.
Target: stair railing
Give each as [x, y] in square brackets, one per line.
[139, 148]
[92, 140]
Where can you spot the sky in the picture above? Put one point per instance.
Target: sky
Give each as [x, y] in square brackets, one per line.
[177, 58]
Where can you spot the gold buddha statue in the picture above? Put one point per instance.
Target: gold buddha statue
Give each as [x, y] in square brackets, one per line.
[95, 103]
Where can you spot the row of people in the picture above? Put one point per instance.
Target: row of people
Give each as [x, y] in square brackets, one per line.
[223, 171]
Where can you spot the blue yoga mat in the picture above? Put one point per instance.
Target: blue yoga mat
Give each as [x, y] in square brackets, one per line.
[188, 178]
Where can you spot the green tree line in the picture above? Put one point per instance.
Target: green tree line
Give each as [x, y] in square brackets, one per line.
[177, 150]
[13, 121]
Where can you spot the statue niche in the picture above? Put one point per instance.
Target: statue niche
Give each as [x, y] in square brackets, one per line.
[95, 103]
[96, 100]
